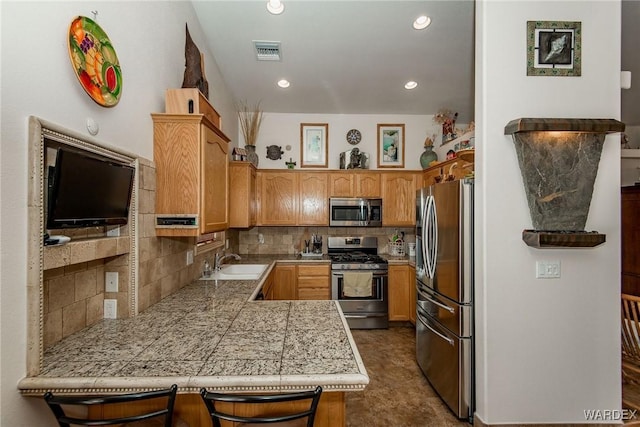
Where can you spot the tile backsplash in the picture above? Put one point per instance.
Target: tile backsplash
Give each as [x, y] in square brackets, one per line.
[290, 240]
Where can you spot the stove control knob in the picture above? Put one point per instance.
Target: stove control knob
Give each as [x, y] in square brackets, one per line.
[375, 267]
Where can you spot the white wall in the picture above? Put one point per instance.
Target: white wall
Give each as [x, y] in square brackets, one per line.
[547, 349]
[37, 79]
[284, 129]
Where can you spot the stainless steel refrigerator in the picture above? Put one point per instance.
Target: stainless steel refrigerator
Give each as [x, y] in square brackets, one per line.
[444, 286]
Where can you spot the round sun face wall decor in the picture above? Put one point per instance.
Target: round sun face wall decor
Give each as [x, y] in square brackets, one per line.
[94, 61]
[354, 136]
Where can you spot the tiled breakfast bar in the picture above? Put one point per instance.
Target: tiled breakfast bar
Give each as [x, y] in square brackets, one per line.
[212, 334]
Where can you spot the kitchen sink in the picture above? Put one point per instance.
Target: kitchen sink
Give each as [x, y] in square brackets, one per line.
[238, 272]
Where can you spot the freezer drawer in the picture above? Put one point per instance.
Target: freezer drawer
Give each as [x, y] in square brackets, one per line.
[445, 360]
[458, 318]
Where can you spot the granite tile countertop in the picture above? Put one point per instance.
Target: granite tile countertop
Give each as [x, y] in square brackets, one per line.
[209, 334]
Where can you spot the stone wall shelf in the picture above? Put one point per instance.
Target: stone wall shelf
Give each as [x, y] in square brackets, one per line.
[563, 239]
[558, 159]
[563, 125]
[84, 250]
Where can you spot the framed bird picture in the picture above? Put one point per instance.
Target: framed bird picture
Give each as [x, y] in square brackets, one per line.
[554, 48]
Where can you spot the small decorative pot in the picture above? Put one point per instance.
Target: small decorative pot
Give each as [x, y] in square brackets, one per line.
[428, 156]
[252, 156]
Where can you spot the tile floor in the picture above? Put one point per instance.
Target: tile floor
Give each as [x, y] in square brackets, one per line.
[398, 395]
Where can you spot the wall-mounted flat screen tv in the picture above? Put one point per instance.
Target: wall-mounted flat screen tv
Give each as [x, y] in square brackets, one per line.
[87, 191]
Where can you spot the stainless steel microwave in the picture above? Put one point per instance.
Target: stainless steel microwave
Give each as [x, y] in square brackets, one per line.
[355, 212]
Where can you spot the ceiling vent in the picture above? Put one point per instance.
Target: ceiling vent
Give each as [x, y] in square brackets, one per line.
[267, 51]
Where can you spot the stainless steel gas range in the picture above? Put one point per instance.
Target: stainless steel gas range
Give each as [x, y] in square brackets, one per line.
[359, 281]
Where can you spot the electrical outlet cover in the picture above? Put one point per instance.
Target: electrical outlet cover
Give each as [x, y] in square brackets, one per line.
[110, 309]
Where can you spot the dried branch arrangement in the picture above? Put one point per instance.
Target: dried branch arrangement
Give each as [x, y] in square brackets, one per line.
[250, 117]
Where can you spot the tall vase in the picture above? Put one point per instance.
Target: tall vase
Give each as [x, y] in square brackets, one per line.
[428, 156]
[252, 156]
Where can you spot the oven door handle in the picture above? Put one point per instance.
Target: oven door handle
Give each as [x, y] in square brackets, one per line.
[439, 304]
[376, 275]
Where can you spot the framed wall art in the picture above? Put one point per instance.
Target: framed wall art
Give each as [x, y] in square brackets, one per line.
[554, 48]
[391, 146]
[313, 145]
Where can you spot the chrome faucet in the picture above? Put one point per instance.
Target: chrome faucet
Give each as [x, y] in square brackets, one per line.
[220, 257]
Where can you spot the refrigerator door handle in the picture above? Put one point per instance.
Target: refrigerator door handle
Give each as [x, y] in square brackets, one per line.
[430, 239]
[423, 226]
[447, 339]
[439, 304]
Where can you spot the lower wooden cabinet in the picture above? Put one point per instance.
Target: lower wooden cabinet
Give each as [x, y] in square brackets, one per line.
[399, 293]
[298, 282]
[314, 282]
[284, 285]
[413, 296]
[267, 287]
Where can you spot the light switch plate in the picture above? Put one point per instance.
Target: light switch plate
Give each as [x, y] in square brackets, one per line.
[189, 257]
[111, 281]
[548, 269]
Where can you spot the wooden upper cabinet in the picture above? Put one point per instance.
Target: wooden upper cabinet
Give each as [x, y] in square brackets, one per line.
[243, 210]
[341, 184]
[313, 202]
[191, 158]
[215, 182]
[354, 184]
[277, 198]
[399, 198]
[368, 184]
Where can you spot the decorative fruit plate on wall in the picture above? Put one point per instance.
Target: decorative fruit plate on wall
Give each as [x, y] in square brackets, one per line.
[95, 61]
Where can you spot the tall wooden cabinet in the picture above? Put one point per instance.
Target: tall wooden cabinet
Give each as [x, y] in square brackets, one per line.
[399, 198]
[313, 202]
[243, 209]
[192, 173]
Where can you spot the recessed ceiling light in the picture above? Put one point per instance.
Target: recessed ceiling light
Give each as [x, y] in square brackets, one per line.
[284, 83]
[410, 85]
[421, 22]
[275, 7]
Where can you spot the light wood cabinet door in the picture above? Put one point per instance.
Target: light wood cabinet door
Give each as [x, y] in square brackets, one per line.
[368, 184]
[399, 290]
[313, 201]
[284, 285]
[412, 294]
[399, 198]
[267, 287]
[191, 159]
[215, 182]
[243, 211]
[314, 282]
[278, 198]
[341, 184]
[354, 184]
